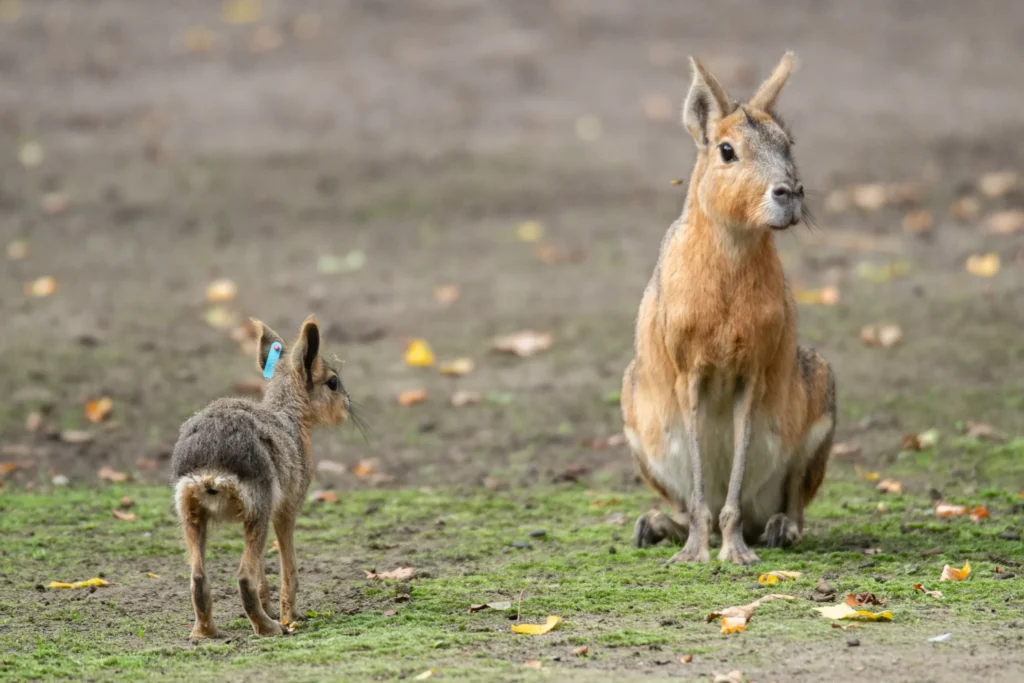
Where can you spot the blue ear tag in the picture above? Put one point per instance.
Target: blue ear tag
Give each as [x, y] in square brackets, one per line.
[272, 357]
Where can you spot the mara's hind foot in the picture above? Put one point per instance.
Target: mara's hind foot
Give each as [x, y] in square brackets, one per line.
[781, 532]
[693, 551]
[205, 632]
[654, 526]
[734, 547]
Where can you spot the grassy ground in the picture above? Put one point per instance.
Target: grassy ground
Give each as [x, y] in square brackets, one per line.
[633, 612]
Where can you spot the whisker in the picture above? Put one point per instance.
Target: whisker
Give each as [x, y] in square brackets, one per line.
[360, 422]
[809, 220]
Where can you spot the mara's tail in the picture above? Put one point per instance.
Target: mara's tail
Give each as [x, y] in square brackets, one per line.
[216, 495]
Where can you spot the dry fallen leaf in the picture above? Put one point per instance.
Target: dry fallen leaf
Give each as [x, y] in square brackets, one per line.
[920, 442]
[731, 677]
[199, 39]
[125, 516]
[872, 551]
[88, 583]
[918, 222]
[412, 396]
[844, 611]
[330, 467]
[424, 676]
[734, 619]
[869, 197]
[978, 513]
[107, 473]
[997, 183]
[885, 336]
[17, 250]
[551, 254]
[242, 11]
[659, 107]
[76, 436]
[503, 605]
[533, 664]
[530, 231]
[980, 430]
[34, 421]
[219, 318]
[40, 287]
[457, 367]
[537, 629]
[1005, 222]
[524, 344]
[953, 574]
[982, 265]
[965, 209]
[921, 589]
[126, 502]
[418, 354]
[686, 659]
[581, 651]
[826, 296]
[946, 510]
[890, 486]
[221, 291]
[324, 497]
[366, 468]
[399, 574]
[465, 397]
[447, 294]
[882, 273]
[865, 598]
[845, 450]
[98, 409]
[54, 203]
[777, 576]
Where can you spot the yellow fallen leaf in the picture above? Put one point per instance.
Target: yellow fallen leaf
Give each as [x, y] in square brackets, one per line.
[826, 296]
[537, 629]
[882, 273]
[982, 265]
[98, 409]
[866, 475]
[530, 231]
[954, 574]
[88, 583]
[776, 576]
[418, 354]
[221, 290]
[151, 575]
[457, 367]
[424, 676]
[734, 619]
[242, 11]
[844, 611]
[42, 286]
[921, 589]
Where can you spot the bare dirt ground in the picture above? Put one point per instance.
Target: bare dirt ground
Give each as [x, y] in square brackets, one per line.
[420, 134]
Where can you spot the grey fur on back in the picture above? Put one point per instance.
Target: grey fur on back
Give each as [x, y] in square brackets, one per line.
[257, 444]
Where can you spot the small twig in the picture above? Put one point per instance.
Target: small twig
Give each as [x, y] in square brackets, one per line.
[520, 605]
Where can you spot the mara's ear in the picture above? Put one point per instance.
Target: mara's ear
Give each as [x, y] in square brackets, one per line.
[705, 104]
[764, 98]
[267, 339]
[306, 348]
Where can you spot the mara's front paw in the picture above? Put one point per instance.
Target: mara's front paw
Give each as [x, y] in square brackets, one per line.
[204, 632]
[695, 550]
[735, 550]
[781, 532]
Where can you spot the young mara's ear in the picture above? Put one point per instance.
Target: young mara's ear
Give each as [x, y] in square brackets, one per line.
[705, 104]
[306, 348]
[267, 339]
[764, 98]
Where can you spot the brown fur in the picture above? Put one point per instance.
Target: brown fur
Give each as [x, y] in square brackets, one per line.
[718, 374]
[247, 462]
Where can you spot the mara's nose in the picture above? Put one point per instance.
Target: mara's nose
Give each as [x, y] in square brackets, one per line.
[784, 192]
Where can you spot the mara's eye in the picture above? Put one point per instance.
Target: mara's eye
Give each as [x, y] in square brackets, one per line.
[333, 383]
[727, 152]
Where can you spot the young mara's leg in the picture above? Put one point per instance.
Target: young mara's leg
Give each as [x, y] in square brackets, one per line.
[195, 524]
[284, 527]
[250, 576]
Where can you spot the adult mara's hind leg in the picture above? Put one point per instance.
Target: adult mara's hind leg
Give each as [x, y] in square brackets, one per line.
[785, 529]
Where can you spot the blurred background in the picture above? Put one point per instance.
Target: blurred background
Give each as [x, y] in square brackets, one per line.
[458, 171]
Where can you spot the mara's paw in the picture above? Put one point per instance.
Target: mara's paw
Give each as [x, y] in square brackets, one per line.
[269, 628]
[735, 550]
[205, 633]
[780, 532]
[655, 526]
[695, 550]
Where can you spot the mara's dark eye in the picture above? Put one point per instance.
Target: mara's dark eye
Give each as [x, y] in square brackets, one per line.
[727, 152]
[333, 383]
